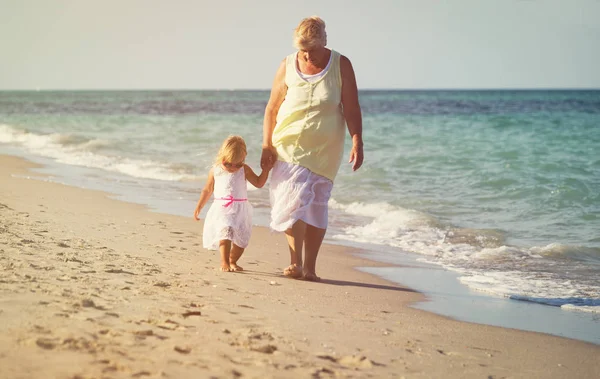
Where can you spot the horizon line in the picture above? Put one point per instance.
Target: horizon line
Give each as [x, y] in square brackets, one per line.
[268, 89]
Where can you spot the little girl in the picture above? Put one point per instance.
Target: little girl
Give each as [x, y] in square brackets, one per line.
[228, 223]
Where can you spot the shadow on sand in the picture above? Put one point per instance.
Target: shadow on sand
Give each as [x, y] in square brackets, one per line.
[333, 282]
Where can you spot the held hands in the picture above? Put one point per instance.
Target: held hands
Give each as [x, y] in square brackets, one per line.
[356, 154]
[269, 164]
[268, 158]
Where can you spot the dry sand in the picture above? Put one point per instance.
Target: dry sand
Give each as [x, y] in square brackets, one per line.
[91, 287]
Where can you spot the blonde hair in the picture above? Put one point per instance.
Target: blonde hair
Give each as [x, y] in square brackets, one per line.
[233, 150]
[310, 33]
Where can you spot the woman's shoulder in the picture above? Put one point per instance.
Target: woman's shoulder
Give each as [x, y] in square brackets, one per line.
[345, 64]
[287, 61]
[343, 59]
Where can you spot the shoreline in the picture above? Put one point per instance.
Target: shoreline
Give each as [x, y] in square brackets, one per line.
[109, 283]
[446, 296]
[441, 288]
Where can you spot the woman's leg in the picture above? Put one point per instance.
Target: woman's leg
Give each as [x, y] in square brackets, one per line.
[312, 243]
[236, 253]
[225, 249]
[295, 239]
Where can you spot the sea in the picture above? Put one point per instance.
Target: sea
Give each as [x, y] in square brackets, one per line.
[498, 188]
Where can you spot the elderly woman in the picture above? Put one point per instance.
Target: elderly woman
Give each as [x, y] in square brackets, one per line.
[314, 96]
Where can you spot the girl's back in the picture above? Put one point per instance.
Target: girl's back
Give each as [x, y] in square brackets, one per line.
[226, 183]
[230, 215]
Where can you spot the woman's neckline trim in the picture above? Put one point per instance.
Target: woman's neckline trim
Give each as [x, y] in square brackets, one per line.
[324, 72]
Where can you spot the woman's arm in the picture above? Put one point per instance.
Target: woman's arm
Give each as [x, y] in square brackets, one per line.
[257, 181]
[206, 193]
[278, 92]
[352, 112]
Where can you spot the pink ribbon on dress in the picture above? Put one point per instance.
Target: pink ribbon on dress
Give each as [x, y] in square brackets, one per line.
[229, 200]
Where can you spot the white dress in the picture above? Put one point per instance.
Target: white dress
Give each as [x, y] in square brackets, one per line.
[230, 214]
[298, 194]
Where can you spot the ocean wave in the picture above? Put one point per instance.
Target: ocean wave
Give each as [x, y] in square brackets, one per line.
[581, 308]
[589, 255]
[12, 135]
[560, 302]
[81, 151]
[414, 231]
[408, 218]
[536, 287]
[481, 256]
[79, 142]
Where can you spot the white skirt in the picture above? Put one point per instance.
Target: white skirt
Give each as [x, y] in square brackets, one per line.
[232, 223]
[298, 194]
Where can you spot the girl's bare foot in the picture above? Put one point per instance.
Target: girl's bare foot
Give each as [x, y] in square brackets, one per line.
[225, 267]
[235, 267]
[293, 271]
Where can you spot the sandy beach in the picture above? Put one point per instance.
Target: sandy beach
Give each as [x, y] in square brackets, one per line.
[92, 287]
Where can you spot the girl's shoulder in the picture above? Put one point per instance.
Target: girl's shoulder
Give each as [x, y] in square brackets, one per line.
[217, 169]
[246, 168]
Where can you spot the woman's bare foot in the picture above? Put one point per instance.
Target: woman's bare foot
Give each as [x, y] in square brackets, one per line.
[235, 267]
[311, 277]
[293, 271]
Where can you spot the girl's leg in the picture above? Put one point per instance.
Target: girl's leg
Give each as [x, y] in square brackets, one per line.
[312, 243]
[295, 239]
[236, 253]
[225, 249]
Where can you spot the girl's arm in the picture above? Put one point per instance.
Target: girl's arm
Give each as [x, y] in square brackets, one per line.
[257, 181]
[352, 112]
[206, 193]
[278, 92]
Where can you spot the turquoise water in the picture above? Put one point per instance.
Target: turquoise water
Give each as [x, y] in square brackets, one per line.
[502, 187]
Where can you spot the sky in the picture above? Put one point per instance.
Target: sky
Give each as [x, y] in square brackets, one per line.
[237, 44]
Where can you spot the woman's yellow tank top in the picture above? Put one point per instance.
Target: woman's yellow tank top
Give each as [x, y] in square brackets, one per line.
[310, 126]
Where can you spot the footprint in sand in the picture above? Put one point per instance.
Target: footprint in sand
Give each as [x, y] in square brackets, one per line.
[142, 334]
[351, 361]
[191, 313]
[193, 305]
[73, 259]
[47, 343]
[261, 336]
[119, 271]
[265, 349]
[323, 372]
[162, 284]
[141, 373]
[41, 330]
[183, 350]
[171, 325]
[88, 303]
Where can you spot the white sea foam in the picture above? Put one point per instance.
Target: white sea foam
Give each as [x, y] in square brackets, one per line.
[393, 226]
[544, 288]
[76, 151]
[507, 271]
[582, 308]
